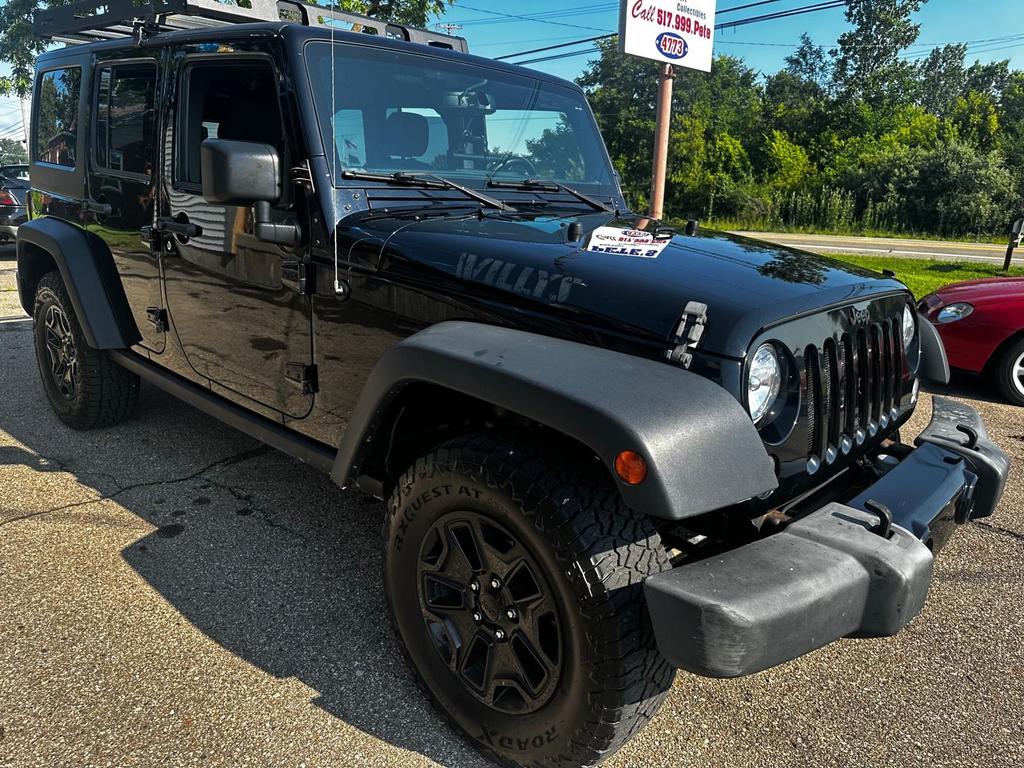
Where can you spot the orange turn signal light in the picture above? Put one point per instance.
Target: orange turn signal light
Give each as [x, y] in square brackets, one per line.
[631, 467]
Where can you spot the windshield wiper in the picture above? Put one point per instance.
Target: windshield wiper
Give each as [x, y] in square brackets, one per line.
[427, 181]
[550, 185]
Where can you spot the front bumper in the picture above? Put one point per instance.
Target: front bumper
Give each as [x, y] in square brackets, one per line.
[861, 568]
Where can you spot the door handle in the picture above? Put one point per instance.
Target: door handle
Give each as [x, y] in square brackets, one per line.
[94, 206]
[181, 226]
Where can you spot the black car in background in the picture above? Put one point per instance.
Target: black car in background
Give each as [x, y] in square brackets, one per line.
[13, 194]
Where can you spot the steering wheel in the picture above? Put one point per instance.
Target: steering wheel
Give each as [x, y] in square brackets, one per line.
[529, 169]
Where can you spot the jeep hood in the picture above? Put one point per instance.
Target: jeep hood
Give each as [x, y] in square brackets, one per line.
[527, 262]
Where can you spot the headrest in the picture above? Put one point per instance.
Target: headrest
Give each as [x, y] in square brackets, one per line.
[406, 134]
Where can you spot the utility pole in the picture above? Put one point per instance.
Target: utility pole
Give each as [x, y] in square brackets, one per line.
[662, 131]
[24, 122]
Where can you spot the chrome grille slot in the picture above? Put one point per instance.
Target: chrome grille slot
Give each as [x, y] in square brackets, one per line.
[813, 381]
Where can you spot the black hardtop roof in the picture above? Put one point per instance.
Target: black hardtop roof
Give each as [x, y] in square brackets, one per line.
[294, 35]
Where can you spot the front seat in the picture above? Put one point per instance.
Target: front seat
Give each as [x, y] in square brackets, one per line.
[406, 137]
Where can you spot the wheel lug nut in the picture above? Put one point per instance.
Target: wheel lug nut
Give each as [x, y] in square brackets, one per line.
[511, 613]
[474, 586]
[477, 616]
[499, 634]
[495, 583]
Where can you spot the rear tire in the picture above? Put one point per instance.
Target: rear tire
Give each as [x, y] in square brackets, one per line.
[557, 665]
[84, 386]
[1009, 371]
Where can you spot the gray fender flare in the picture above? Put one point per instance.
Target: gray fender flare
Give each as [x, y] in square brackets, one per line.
[89, 274]
[702, 450]
[934, 362]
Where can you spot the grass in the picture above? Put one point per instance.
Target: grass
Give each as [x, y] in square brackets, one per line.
[923, 276]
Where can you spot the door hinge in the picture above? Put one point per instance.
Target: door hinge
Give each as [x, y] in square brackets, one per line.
[296, 275]
[304, 376]
[158, 317]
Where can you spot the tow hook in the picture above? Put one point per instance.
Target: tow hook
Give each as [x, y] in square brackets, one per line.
[972, 435]
[884, 527]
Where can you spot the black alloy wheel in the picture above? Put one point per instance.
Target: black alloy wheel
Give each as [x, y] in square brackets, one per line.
[490, 613]
[60, 346]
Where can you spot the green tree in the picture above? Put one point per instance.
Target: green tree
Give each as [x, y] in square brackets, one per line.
[976, 120]
[414, 12]
[810, 64]
[867, 62]
[788, 166]
[941, 78]
[12, 151]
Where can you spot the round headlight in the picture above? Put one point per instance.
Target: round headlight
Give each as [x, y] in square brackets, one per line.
[763, 382]
[954, 312]
[909, 326]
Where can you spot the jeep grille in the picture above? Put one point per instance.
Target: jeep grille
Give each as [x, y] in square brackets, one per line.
[852, 388]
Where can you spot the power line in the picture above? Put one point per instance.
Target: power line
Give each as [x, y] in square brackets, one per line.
[824, 6]
[821, 6]
[748, 5]
[556, 47]
[538, 18]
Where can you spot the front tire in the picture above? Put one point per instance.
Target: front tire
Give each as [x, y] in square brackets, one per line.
[1009, 370]
[84, 386]
[515, 585]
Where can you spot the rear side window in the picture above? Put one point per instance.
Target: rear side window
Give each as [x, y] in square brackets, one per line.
[126, 118]
[56, 111]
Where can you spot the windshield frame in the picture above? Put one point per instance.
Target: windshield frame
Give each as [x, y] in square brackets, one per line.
[324, 130]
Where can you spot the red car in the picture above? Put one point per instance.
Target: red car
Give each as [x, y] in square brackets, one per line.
[982, 325]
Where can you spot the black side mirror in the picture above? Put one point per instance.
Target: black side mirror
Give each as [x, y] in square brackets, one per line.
[247, 173]
[240, 172]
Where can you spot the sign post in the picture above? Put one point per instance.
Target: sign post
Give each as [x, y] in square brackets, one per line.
[674, 33]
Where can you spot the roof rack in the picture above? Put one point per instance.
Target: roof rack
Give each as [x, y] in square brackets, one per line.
[87, 21]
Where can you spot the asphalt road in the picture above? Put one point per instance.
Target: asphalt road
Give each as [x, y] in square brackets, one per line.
[174, 594]
[882, 246]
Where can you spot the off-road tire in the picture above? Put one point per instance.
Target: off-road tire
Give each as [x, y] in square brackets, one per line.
[105, 393]
[595, 553]
[1007, 372]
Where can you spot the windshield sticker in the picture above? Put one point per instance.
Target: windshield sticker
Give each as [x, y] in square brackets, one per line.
[626, 242]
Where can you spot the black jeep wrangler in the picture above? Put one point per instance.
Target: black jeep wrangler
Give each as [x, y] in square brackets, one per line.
[609, 450]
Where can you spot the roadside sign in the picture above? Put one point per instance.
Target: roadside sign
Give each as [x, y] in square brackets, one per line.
[677, 32]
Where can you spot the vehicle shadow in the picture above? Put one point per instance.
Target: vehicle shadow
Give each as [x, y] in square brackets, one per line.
[962, 384]
[262, 554]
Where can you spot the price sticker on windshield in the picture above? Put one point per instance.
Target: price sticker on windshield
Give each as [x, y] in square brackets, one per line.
[679, 32]
[626, 242]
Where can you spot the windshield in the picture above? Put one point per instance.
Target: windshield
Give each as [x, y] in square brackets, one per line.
[398, 111]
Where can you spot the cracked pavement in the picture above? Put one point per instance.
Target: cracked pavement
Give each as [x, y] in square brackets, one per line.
[172, 593]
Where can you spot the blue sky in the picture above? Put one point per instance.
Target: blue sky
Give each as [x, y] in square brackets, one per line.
[491, 32]
[764, 46]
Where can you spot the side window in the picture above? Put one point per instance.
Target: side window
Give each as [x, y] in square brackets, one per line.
[57, 116]
[225, 100]
[126, 118]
